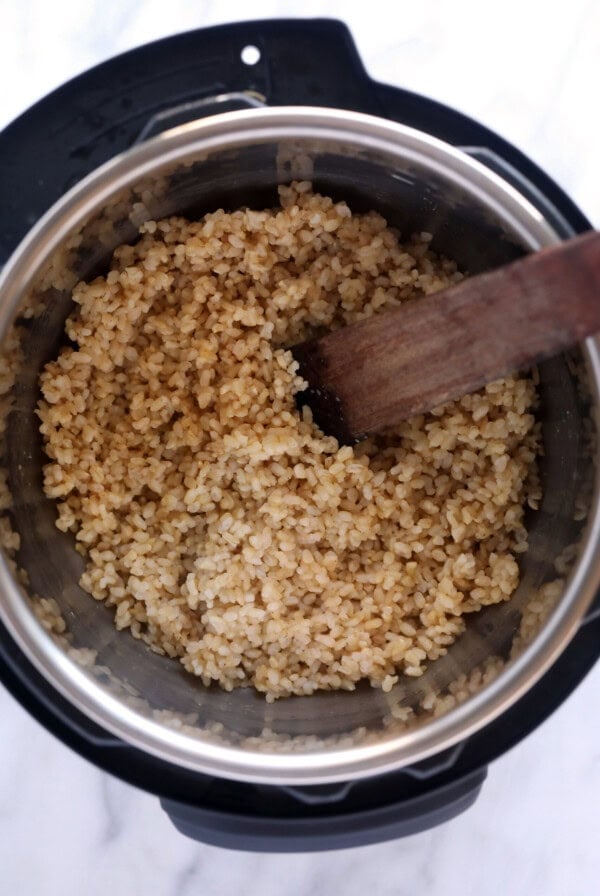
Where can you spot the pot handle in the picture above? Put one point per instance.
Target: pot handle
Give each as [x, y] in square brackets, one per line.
[594, 611]
[188, 112]
[321, 829]
[293, 62]
[53, 710]
[279, 62]
[513, 176]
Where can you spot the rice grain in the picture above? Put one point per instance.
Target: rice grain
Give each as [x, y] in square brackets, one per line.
[223, 527]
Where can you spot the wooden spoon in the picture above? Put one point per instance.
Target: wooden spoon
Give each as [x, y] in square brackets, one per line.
[373, 374]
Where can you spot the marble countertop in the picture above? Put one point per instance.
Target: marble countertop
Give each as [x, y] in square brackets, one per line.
[530, 71]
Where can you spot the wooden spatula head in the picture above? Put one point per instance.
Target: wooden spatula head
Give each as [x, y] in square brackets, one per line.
[369, 376]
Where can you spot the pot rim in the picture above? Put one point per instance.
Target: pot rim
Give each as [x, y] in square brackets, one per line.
[225, 131]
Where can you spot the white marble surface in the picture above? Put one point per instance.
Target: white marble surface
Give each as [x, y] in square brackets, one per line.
[530, 70]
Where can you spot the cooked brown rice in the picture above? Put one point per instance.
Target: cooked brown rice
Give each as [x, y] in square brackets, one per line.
[224, 527]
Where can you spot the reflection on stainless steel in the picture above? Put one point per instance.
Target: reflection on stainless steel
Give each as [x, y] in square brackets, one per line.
[418, 184]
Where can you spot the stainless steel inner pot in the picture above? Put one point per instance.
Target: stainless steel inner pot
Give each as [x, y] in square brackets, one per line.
[420, 184]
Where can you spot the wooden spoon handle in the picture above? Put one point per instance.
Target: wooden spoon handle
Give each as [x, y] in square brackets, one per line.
[368, 376]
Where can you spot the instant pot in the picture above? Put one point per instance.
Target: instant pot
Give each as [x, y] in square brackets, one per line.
[217, 118]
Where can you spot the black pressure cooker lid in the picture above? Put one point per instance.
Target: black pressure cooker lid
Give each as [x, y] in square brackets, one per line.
[70, 133]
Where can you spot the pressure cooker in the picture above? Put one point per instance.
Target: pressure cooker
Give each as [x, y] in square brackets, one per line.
[217, 118]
